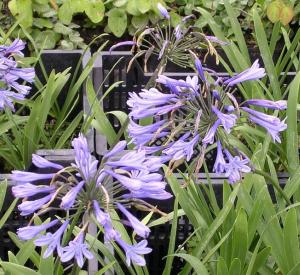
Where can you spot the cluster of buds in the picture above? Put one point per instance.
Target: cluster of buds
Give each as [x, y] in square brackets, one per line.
[197, 112]
[92, 190]
[11, 74]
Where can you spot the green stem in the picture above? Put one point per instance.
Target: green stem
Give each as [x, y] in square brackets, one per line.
[275, 185]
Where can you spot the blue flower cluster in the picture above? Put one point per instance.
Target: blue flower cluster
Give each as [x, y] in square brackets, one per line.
[95, 188]
[11, 75]
[192, 115]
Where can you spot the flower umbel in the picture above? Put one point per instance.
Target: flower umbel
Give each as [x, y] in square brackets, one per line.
[195, 113]
[92, 189]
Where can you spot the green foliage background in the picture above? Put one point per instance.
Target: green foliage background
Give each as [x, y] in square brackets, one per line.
[58, 21]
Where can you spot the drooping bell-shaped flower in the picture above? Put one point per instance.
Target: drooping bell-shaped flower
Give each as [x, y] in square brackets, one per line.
[227, 120]
[182, 149]
[151, 103]
[29, 207]
[274, 105]
[52, 240]
[127, 182]
[138, 227]
[134, 252]
[143, 134]
[271, 123]
[29, 232]
[252, 73]
[76, 249]
[24, 190]
[68, 200]
[15, 48]
[235, 167]
[119, 147]
[100, 215]
[41, 162]
[131, 160]
[219, 166]
[210, 136]
[23, 176]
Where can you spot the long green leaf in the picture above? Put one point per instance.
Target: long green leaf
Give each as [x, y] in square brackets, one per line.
[3, 189]
[195, 263]
[18, 269]
[263, 45]
[211, 230]
[169, 262]
[292, 130]
[291, 241]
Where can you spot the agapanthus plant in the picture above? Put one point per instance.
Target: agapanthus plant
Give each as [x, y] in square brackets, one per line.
[11, 74]
[196, 113]
[170, 44]
[92, 191]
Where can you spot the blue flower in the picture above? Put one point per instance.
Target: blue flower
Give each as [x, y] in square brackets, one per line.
[143, 134]
[273, 129]
[69, 199]
[176, 85]
[219, 166]
[271, 123]
[127, 182]
[29, 232]
[163, 11]
[29, 207]
[138, 227]
[199, 68]
[227, 120]
[182, 149]
[274, 105]
[210, 136]
[235, 167]
[263, 116]
[151, 102]
[15, 48]
[41, 162]
[118, 179]
[131, 160]
[83, 159]
[134, 252]
[100, 215]
[23, 176]
[10, 74]
[7, 98]
[76, 249]
[52, 240]
[121, 44]
[13, 74]
[252, 73]
[27, 190]
[154, 163]
[119, 147]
